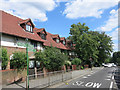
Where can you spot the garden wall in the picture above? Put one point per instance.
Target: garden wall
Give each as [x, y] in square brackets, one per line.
[9, 76]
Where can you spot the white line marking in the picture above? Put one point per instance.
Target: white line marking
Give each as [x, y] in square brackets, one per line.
[109, 76]
[112, 77]
[89, 75]
[84, 77]
[111, 85]
[107, 79]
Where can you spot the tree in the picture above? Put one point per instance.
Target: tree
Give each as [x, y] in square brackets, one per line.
[4, 58]
[105, 46]
[51, 58]
[116, 58]
[90, 44]
[19, 61]
[85, 43]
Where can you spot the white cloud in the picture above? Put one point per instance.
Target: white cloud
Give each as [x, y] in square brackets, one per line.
[34, 9]
[115, 47]
[114, 34]
[111, 23]
[87, 8]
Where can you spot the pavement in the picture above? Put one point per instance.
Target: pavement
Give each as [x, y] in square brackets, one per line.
[98, 78]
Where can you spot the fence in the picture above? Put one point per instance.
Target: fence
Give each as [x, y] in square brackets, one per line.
[44, 80]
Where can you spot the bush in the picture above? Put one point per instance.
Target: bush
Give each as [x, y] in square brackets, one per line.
[4, 58]
[19, 61]
[51, 58]
[76, 61]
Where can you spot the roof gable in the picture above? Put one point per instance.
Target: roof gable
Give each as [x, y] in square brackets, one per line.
[55, 36]
[27, 21]
[62, 39]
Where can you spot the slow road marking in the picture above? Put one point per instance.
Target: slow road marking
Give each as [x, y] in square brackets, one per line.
[88, 84]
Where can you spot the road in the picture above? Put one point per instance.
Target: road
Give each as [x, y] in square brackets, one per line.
[101, 79]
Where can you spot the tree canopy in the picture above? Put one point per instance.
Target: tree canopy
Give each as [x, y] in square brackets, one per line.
[90, 44]
[116, 58]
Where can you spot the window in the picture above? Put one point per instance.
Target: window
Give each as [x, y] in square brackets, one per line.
[29, 28]
[37, 63]
[31, 64]
[43, 36]
[34, 44]
[64, 42]
[57, 40]
[71, 44]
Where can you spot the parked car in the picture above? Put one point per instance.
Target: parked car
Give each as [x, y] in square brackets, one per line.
[109, 65]
[114, 65]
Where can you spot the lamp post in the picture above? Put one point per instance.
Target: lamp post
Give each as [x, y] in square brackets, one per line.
[27, 65]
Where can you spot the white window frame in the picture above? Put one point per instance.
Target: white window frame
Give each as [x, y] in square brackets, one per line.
[64, 42]
[57, 40]
[29, 28]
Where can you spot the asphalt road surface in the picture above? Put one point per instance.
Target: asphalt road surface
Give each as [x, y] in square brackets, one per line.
[101, 79]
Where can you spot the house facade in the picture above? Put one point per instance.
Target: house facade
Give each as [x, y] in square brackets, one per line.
[16, 32]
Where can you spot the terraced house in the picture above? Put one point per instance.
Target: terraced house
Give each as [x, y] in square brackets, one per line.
[15, 31]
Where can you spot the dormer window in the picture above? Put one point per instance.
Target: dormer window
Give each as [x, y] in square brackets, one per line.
[71, 44]
[43, 36]
[29, 28]
[64, 42]
[57, 40]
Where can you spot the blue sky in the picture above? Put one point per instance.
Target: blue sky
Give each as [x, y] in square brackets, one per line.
[57, 16]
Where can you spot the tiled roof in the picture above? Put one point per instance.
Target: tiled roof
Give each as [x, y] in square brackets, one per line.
[62, 38]
[51, 42]
[27, 21]
[11, 26]
[40, 30]
[55, 36]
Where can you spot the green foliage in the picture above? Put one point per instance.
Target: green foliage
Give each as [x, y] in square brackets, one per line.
[4, 58]
[116, 57]
[67, 63]
[105, 46]
[107, 60]
[76, 61]
[82, 67]
[90, 44]
[51, 58]
[19, 61]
